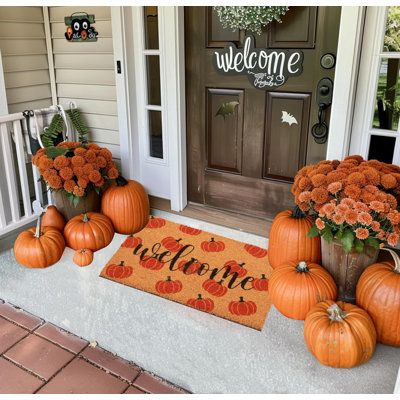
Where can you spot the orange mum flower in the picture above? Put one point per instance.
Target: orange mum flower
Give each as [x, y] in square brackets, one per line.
[388, 181]
[304, 197]
[319, 223]
[341, 208]
[66, 173]
[100, 162]
[87, 168]
[78, 191]
[95, 176]
[61, 162]
[54, 181]
[45, 163]
[352, 191]
[69, 185]
[77, 161]
[372, 176]
[351, 217]
[304, 206]
[113, 173]
[391, 200]
[377, 206]
[106, 154]
[83, 182]
[80, 151]
[392, 239]
[364, 218]
[338, 219]
[375, 226]
[335, 176]
[90, 156]
[360, 207]
[348, 202]
[328, 209]
[361, 233]
[334, 187]
[366, 196]
[324, 169]
[319, 195]
[356, 178]
[355, 157]
[318, 180]
[99, 183]
[48, 173]
[305, 183]
[78, 171]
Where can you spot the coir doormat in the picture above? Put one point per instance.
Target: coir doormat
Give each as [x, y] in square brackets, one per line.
[211, 273]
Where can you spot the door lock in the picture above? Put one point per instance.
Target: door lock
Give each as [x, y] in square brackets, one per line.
[320, 130]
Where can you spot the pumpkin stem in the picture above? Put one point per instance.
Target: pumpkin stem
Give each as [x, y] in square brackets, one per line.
[336, 313]
[199, 297]
[242, 264]
[121, 181]
[168, 279]
[212, 240]
[302, 267]
[396, 259]
[241, 299]
[121, 263]
[85, 218]
[38, 232]
[297, 213]
[221, 282]
[263, 276]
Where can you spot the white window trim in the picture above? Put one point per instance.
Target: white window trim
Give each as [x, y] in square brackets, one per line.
[167, 177]
[3, 94]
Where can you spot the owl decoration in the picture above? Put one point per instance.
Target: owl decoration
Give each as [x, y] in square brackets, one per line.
[79, 28]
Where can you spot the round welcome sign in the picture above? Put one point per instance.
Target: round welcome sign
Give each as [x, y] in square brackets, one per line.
[265, 68]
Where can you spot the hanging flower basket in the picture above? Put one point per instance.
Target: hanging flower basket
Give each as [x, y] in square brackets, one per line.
[252, 18]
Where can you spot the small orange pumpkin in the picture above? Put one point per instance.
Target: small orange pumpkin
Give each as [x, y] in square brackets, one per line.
[155, 223]
[52, 217]
[127, 205]
[261, 284]
[242, 307]
[295, 287]
[339, 335]
[132, 241]
[168, 286]
[119, 271]
[151, 263]
[189, 267]
[378, 293]
[172, 244]
[288, 239]
[203, 304]
[237, 268]
[39, 247]
[215, 288]
[83, 257]
[89, 231]
[189, 230]
[255, 251]
[213, 246]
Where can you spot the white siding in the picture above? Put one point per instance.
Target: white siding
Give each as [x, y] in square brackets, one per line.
[23, 47]
[85, 74]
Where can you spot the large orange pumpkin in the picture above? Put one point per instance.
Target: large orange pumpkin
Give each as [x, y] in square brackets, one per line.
[127, 205]
[378, 293]
[52, 217]
[296, 287]
[339, 335]
[288, 239]
[89, 231]
[39, 247]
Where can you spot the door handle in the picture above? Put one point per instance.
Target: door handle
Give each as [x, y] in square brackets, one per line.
[320, 130]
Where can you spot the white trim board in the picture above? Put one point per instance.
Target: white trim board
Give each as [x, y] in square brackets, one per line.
[3, 94]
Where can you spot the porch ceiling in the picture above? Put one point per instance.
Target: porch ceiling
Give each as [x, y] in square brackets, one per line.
[198, 351]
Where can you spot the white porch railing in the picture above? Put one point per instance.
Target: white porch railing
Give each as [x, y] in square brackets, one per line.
[15, 179]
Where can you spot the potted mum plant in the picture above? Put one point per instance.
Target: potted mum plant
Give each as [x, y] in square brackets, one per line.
[355, 204]
[76, 173]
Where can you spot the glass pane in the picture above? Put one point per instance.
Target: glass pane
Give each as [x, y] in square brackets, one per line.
[155, 132]
[387, 106]
[392, 34]
[153, 80]
[381, 148]
[151, 27]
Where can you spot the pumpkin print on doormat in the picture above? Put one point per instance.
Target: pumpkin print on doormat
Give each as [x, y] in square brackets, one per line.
[201, 270]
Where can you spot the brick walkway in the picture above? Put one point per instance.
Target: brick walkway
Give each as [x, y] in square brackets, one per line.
[38, 357]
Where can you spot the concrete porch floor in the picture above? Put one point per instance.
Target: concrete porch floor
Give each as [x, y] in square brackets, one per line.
[197, 351]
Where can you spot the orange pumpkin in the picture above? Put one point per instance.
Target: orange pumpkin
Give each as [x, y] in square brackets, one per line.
[155, 223]
[172, 244]
[294, 288]
[132, 242]
[242, 307]
[255, 251]
[119, 271]
[212, 246]
[127, 205]
[192, 268]
[201, 304]
[39, 247]
[378, 293]
[52, 217]
[215, 288]
[168, 286]
[261, 284]
[339, 335]
[235, 267]
[89, 231]
[189, 230]
[151, 263]
[83, 257]
[288, 239]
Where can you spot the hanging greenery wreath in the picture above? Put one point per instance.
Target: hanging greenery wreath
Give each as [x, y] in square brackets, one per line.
[252, 18]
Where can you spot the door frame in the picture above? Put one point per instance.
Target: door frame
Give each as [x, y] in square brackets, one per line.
[126, 23]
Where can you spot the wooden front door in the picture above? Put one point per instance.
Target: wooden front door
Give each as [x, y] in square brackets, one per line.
[245, 162]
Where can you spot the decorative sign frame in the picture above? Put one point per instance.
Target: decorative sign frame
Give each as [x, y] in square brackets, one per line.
[79, 28]
[264, 68]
